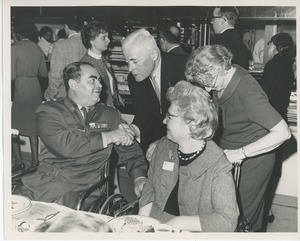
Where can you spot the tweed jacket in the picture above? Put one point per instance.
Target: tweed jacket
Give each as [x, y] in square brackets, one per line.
[206, 186]
[63, 53]
[72, 150]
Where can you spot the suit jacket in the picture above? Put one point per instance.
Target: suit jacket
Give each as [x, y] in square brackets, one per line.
[72, 153]
[233, 42]
[179, 51]
[206, 187]
[64, 52]
[147, 114]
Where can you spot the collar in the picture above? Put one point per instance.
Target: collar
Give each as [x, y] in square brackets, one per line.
[173, 48]
[201, 164]
[94, 55]
[156, 71]
[44, 41]
[74, 34]
[73, 106]
[226, 29]
[233, 84]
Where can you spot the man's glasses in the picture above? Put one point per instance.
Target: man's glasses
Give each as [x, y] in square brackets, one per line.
[212, 17]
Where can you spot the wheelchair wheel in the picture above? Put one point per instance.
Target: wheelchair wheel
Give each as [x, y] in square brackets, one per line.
[113, 204]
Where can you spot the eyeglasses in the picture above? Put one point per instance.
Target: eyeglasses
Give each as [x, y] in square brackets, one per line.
[168, 116]
[213, 17]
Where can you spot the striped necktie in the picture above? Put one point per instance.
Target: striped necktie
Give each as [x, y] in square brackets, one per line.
[156, 88]
[84, 112]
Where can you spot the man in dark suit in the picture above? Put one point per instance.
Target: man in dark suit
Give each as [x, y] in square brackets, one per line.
[152, 73]
[169, 40]
[78, 134]
[223, 21]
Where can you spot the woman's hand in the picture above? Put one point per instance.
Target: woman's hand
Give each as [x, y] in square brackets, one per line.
[189, 223]
[236, 155]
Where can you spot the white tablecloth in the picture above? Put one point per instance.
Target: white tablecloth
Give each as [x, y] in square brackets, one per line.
[40, 212]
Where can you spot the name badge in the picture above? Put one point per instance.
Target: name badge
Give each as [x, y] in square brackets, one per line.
[168, 166]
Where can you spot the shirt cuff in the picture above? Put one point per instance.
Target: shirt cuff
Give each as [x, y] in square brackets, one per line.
[104, 140]
[138, 179]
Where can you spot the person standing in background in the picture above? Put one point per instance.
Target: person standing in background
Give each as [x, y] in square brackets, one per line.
[151, 74]
[64, 53]
[95, 38]
[27, 64]
[46, 38]
[278, 81]
[169, 40]
[223, 21]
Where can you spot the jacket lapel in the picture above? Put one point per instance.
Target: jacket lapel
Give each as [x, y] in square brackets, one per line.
[233, 84]
[75, 112]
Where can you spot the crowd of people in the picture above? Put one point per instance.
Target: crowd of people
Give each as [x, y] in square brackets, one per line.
[195, 116]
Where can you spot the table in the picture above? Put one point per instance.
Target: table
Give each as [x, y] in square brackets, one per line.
[39, 212]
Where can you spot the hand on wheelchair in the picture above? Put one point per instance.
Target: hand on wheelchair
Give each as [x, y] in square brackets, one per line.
[138, 185]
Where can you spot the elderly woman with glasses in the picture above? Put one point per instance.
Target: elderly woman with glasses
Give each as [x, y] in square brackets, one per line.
[250, 127]
[190, 185]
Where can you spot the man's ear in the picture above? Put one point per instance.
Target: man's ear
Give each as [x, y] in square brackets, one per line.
[72, 84]
[154, 54]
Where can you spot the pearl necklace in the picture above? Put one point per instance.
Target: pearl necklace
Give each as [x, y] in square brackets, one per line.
[192, 156]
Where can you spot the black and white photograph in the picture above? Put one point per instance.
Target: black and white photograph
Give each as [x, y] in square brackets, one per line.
[149, 119]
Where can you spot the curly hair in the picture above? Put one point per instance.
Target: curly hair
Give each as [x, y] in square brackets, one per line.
[206, 62]
[196, 107]
[91, 31]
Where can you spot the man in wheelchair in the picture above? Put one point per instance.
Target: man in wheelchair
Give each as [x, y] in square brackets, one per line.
[78, 134]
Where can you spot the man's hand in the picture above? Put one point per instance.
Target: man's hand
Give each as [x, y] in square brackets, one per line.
[119, 136]
[138, 185]
[150, 150]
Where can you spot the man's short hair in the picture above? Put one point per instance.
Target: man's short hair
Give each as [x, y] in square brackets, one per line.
[230, 13]
[44, 30]
[141, 38]
[74, 23]
[171, 33]
[73, 71]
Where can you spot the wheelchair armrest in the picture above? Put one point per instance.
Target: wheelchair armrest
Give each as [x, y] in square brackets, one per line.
[17, 176]
[130, 206]
[86, 193]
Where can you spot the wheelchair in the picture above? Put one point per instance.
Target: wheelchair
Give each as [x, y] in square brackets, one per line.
[106, 202]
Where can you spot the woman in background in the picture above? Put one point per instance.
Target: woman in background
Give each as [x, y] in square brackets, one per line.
[95, 38]
[190, 185]
[250, 127]
[278, 81]
[27, 64]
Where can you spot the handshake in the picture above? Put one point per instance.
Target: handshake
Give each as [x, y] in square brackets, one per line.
[124, 135]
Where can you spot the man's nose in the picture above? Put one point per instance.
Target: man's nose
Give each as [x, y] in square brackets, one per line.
[129, 67]
[165, 120]
[98, 84]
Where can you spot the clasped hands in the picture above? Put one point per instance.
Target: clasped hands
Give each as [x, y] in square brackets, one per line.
[124, 135]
